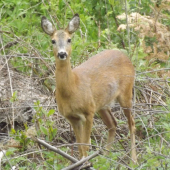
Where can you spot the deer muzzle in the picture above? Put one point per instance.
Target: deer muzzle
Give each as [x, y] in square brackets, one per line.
[62, 55]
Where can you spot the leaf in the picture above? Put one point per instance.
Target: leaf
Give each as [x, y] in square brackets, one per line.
[54, 132]
[111, 2]
[13, 131]
[10, 151]
[14, 97]
[51, 112]
[44, 130]
[37, 103]
[166, 125]
[60, 4]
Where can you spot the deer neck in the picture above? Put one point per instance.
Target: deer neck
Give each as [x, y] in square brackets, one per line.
[65, 78]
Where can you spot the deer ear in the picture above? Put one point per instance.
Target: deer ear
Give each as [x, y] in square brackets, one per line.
[47, 26]
[73, 24]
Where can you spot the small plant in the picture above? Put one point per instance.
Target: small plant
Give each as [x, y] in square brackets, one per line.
[44, 125]
[22, 138]
[14, 97]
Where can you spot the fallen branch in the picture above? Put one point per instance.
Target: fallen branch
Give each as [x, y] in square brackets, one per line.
[72, 159]
[52, 148]
[77, 164]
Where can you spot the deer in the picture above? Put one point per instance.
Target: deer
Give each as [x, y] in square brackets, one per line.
[92, 87]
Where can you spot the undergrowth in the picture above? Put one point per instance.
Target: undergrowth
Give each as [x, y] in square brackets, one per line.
[25, 55]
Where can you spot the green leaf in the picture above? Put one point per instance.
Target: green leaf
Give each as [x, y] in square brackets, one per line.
[13, 131]
[51, 112]
[14, 97]
[44, 130]
[37, 103]
[111, 2]
[10, 151]
[54, 132]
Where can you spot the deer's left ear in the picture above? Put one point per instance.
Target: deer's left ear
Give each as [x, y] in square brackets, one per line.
[73, 24]
[47, 26]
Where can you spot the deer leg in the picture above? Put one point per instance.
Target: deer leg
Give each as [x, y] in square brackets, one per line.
[127, 104]
[111, 124]
[131, 123]
[82, 129]
[87, 127]
[77, 125]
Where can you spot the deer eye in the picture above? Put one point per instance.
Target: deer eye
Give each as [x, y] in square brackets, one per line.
[69, 40]
[53, 41]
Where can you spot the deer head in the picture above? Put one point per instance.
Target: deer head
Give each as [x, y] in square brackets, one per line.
[61, 39]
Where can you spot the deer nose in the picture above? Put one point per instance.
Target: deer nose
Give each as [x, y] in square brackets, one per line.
[62, 55]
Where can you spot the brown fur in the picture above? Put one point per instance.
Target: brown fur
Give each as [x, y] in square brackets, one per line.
[93, 87]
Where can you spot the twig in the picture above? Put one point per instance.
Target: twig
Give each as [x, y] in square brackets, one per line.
[153, 71]
[7, 32]
[77, 164]
[145, 129]
[72, 159]
[117, 25]
[158, 11]
[25, 154]
[2, 153]
[69, 6]
[10, 44]
[10, 82]
[128, 32]
[99, 34]
[107, 22]
[52, 148]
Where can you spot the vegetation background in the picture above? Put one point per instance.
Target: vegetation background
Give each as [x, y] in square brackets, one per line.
[27, 84]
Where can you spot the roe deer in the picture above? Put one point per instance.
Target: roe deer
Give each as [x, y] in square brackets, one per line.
[91, 87]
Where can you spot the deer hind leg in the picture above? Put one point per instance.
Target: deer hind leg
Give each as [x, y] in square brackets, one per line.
[82, 129]
[111, 124]
[126, 103]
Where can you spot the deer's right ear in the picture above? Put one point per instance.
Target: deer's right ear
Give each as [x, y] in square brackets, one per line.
[47, 26]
